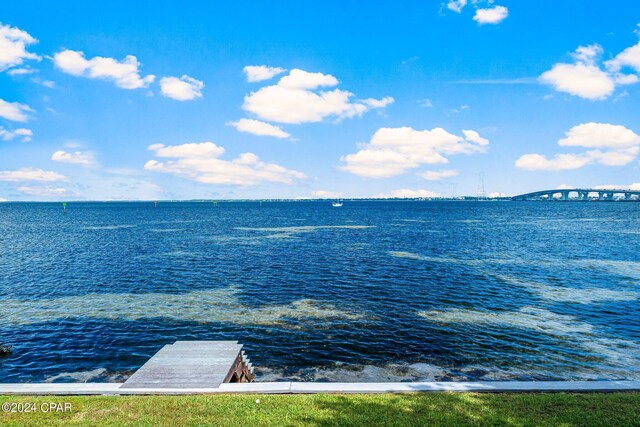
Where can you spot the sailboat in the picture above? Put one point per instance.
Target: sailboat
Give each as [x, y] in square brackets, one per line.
[337, 204]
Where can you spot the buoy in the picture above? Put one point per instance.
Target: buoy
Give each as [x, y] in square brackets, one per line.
[64, 207]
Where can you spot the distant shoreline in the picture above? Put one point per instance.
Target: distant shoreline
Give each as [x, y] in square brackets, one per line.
[431, 199]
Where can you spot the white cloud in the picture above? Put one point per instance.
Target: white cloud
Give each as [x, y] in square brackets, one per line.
[13, 47]
[458, 110]
[85, 159]
[259, 128]
[473, 136]
[324, 194]
[577, 161]
[296, 98]
[618, 157]
[300, 79]
[587, 54]
[258, 73]
[600, 135]
[437, 175]
[496, 195]
[625, 79]
[23, 134]
[425, 103]
[2, 199]
[409, 61]
[393, 151]
[45, 191]
[184, 88]
[493, 15]
[200, 162]
[378, 103]
[633, 187]
[565, 187]
[456, 5]
[14, 111]
[192, 150]
[21, 71]
[125, 74]
[586, 79]
[406, 193]
[630, 57]
[614, 145]
[31, 174]
[72, 143]
[558, 162]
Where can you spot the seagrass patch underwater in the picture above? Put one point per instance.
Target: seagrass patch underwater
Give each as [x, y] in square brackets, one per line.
[372, 291]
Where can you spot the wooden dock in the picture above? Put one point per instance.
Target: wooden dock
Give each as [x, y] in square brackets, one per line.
[193, 364]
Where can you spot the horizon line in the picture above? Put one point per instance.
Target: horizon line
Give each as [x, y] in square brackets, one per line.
[283, 199]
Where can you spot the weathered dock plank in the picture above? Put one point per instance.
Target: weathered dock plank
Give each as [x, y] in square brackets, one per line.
[189, 364]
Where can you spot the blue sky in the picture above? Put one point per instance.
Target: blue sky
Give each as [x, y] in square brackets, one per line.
[110, 100]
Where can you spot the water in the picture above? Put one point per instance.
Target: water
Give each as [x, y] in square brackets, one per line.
[372, 291]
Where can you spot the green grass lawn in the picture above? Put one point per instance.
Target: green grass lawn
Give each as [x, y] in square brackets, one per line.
[441, 409]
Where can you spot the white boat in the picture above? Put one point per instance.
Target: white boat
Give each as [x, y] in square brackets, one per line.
[337, 204]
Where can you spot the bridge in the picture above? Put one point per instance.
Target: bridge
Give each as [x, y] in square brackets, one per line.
[582, 194]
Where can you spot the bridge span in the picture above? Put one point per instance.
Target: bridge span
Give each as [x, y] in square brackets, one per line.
[581, 194]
